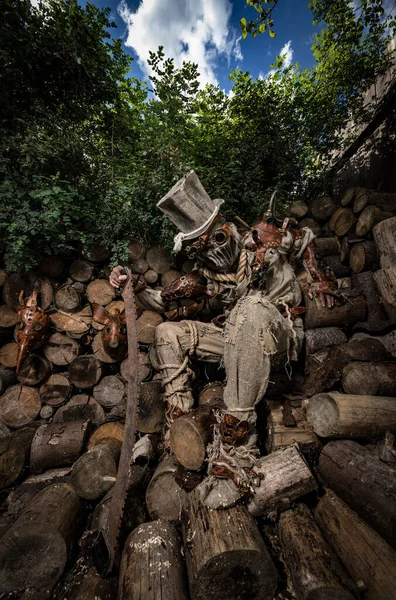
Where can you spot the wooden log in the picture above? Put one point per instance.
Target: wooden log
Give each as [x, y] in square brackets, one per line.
[364, 482]
[8, 355]
[150, 412]
[190, 434]
[211, 394]
[159, 259]
[281, 433]
[61, 349]
[8, 317]
[95, 472]
[315, 570]
[371, 379]
[152, 564]
[170, 276]
[369, 218]
[99, 291]
[14, 454]
[27, 282]
[80, 407]
[34, 552]
[110, 391]
[349, 313]
[52, 265]
[4, 431]
[34, 370]
[83, 582]
[335, 264]
[136, 249]
[327, 246]
[85, 371]
[140, 265]
[75, 325]
[384, 236]
[144, 367]
[344, 250]
[55, 390]
[112, 429]
[385, 280]
[317, 339]
[297, 210]
[226, 555]
[70, 297]
[335, 415]
[363, 257]
[151, 276]
[366, 197]
[3, 277]
[377, 319]
[348, 196]
[97, 254]
[344, 222]
[57, 445]
[46, 412]
[338, 211]
[287, 478]
[146, 325]
[322, 208]
[19, 405]
[312, 225]
[99, 351]
[367, 557]
[7, 378]
[164, 497]
[81, 271]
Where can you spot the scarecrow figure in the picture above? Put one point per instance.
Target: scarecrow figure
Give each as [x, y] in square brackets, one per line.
[253, 277]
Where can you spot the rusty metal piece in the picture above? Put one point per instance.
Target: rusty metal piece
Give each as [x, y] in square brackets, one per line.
[233, 431]
[32, 327]
[187, 286]
[114, 334]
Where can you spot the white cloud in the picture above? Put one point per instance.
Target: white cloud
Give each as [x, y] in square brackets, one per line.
[287, 52]
[195, 30]
[237, 52]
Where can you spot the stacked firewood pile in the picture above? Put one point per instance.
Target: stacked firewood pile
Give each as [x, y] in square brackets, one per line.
[322, 523]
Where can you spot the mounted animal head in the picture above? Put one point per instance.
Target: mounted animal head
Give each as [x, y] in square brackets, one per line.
[114, 334]
[31, 328]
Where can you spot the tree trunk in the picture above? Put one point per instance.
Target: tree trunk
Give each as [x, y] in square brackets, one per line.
[317, 339]
[322, 208]
[150, 412]
[371, 379]
[14, 454]
[327, 246]
[349, 313]
[363, 257]
[95, 472]
[39, 542]
[112, 429]
[52, 266]
[8, 317]
[385, 280]
[7, 378]
[344, 222]
[152, 564]
[146, 325]
[27, 282]
[368, 558]
[286, 477]
[315, 570]
[335, 264]
[383, 200]
[377, 319]
[85, 371]
[61, 349]
[70, 297]
[100, 291]
[8, 355]
[110, 391]
[369, 218]
[34, 370]
[385, 238]
[81, 271]
[159, 259]
[312, 225]
[75, 325]
[226, 555]
[57, 445]
[282, 433]
[164, 497]
[297, 210]
[80, 407]
[19, 405]
[189, 436]
[151, 276]
[364, 482]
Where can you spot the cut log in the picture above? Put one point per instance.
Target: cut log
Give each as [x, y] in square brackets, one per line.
[8, 317]
[136, 249]
[140, 265]
[368, 558]
[3, 277]
[146, 325]
[85, 371]
[84, 583]
[8, 355]
[34, 552]
[99, 351]
[226, 555]
[159, 259]
[27, 282]
[335, 415]
[286, 477]
[211, 394]
[70, 297]
[52, 266]
[170, 276]
[315, 570]
[383, 200]
[151, 276]
[164, 497]
[369, 218]
[99, 291]
[80, 270]
[348, 196]
[377, 319]
[370, 379]
[19, 405]
[57, 445]
[349, 313]
[338, 211]
[97, 254]
[150, 412]
[189, 436]
[95, 472]
[46, 412]
[152, 564]
[34, 370]
[7, 378]
[344, 250]
[317, 339]
[335, 264]
[80, 407]
[110, 391]
[76, 324]
[312, 225]
[322, 208]
[363, 481]
[61, 349]
[280, 434]
[113, 430]
[297, 210]
[385, 237]
[14, 454]
[143, 370]
[385, 280]
[327, 246]
[363, 257]
[344, 222]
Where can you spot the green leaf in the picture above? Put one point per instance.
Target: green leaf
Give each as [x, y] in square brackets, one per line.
[272, 34]
[242, 23]
[262, 28]
[244, 34]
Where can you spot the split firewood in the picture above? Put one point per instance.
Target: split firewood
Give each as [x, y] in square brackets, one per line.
[366, 197]
[99, 291]
[19, 405]
[376, 319]
[349, 313]
[70, 297]
[112, 429]
[368, 558]
[8, 355]
[384, 236]
[322, 208]
[189, 436]
[312, 224]
[28, 282]
[109, 391]
[97, 254]
[297, 210]
[385, 280]
[348, 196]
[57, 445]
[146, 325]
[344, 222]
[80, 406]
[150, 412]
[61, 349]
[159, 259]
[40, 541]
[368, 378]
[14, 454]
[280, 434]
[95, 472]
[34, 370]
[152, 564]
[52, 266]
[338, 211]
[226, 555]
[136, 249]
[151, 276]
[75, 325]
[164, 497]
[81, 271]
[7, 378]
[346, 467]
[363, 257]
[170, 276]
[85, 371]
[369, 218]
[143, 370]
[327, 246]
[8, 317]
[315, 569]
[317, 339]
[286, 477]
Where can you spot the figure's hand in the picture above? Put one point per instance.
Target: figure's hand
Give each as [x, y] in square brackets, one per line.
[116, 278]
[326, 291]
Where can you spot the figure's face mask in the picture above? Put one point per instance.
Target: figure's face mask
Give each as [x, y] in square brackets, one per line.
[218, 248]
